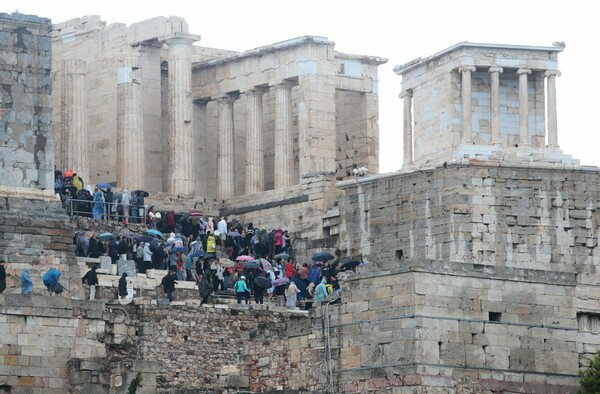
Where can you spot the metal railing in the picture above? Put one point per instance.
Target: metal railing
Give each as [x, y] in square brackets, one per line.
[78, 207]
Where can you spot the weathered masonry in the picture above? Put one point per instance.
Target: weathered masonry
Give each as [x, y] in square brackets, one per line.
[481, 253]
[144, 108]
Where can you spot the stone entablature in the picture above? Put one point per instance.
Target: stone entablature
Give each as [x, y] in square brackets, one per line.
[481, 101]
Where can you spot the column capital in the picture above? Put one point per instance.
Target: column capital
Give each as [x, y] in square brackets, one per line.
[226, 98]
[283, 85]
[463, 69]
[523, 71]
[406, 93]
[496, 69]
[179, 38]
[255, 92]
[552, 73]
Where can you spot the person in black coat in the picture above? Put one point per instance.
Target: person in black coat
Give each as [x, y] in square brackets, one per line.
[204, 289]
[168, 282]
[91, 277]
[123, 285]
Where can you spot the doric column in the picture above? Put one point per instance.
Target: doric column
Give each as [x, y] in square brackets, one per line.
[523, 107]
[466, 135]
[495, 105]
[181, 146]
[74, 138]
[284, 149]
[406, 97]
[225, 149]
[254, 147]
[552, 117]
[130, 130]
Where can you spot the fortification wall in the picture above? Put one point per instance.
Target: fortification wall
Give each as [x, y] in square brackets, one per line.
[26, 143]
[57, 345]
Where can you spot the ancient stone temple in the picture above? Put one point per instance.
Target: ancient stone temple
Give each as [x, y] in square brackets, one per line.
[481, 254]
[143, 107]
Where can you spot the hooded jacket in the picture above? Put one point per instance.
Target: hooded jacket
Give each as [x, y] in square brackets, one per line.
[321, 291]
[26, 285]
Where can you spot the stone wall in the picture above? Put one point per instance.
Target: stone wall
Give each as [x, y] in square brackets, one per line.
[26, 143]
[56, 344]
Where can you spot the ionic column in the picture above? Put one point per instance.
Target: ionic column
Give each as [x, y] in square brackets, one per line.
[130, 130]
[284, 149]
[495, 105]
[406, 97]
[254, 147]
[74, 138]
[523, 107]
[225, 149]
[467, 118]
[181, 146]
[552, 117]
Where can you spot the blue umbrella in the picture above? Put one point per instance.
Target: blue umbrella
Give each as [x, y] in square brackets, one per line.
[104, 185]
[199, 254]
[154, 232]
[300, 285]
[179, 249]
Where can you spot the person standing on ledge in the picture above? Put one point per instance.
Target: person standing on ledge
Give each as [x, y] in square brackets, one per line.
[26, 285]
[2, 276]
[91, 277]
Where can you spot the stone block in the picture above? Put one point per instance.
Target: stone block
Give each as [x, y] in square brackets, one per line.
[126, 266]
[106, 263]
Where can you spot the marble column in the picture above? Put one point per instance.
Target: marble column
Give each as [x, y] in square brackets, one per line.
[406, 97]
[551, 109]
[130, 130]
[255, 177]
[74, 136]
[181, 143]
[495, 105]
[284, 148]
[466, 136]
[225, 149]
[523, 107]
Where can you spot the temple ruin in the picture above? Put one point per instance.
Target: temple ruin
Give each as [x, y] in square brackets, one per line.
[480, 254]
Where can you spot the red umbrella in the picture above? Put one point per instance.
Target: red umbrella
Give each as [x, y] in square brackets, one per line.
[195, 213]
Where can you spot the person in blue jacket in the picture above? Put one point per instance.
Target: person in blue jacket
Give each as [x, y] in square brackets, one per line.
[321, 291]
[242, 290]
[26, 285]
[51, 279]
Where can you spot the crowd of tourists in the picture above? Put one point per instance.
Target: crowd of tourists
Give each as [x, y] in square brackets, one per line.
[256, 264]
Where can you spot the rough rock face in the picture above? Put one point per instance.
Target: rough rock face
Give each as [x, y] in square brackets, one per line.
[26, 143]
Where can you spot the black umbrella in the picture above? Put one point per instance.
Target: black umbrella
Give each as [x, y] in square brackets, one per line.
[323, 256]
[233, 234]
[142, 192]
[350, 265]
[146, 238]
[263, 282]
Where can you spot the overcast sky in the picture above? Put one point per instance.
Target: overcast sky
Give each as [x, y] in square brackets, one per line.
[397, 30]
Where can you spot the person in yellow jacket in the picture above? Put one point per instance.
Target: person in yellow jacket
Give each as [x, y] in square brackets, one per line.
[211, 246]
[77, 182]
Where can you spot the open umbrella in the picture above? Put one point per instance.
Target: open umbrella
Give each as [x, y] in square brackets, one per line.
[105, 236]
[104, 185]
[300, 285]
[146, 238]
[281, 281]
[226, 263]
[265, 264]
[244, 258]
[283, 256]
[263, 282]
[179, 249]
[251, 265]
[131, 236]
[350, 265]
[221, 255]
[154, 232]
[195, 213]
[322, 256]
[201, 254]
[233, 234]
